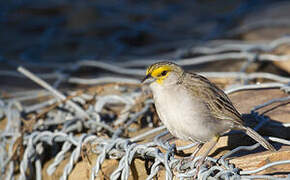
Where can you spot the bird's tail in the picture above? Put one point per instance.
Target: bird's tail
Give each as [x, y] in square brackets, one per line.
[257, 137]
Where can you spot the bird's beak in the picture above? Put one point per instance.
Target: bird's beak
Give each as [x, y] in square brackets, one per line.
[148, 79]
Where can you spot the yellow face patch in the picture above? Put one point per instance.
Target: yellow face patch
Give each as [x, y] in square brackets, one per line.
[159, 73]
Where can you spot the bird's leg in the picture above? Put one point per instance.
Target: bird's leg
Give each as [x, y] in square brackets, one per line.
[213, 143]
[192, 156]
[199, 146]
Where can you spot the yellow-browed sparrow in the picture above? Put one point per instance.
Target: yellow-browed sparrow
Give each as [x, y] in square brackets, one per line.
[193, 108]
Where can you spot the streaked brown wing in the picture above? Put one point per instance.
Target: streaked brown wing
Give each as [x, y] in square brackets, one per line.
[218, 102]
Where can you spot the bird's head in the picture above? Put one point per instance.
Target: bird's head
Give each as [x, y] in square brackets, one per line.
[162, 73]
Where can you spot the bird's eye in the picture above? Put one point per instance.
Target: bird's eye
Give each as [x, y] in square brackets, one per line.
[164, 73]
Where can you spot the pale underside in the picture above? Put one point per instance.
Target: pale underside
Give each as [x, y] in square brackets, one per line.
[185, 116]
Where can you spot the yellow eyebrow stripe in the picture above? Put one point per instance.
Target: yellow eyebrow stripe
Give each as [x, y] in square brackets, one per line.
[156, 72]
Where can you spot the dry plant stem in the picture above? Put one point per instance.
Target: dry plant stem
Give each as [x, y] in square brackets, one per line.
[59, 95]
[51, 107]
[56, 93]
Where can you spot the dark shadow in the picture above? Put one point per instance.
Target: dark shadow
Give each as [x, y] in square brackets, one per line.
[278, 173]
[238, 138]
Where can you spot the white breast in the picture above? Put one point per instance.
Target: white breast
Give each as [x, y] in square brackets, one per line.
[184, 116]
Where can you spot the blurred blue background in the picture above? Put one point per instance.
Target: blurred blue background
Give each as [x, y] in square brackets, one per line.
[114, 30]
